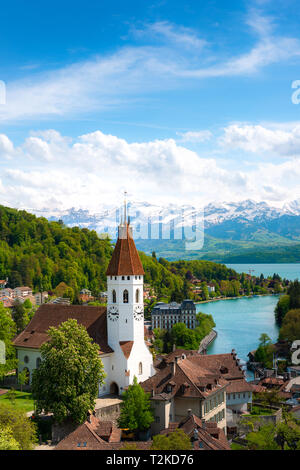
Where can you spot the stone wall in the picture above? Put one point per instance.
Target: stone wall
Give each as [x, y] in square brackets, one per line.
[60, 431]
[108, 413]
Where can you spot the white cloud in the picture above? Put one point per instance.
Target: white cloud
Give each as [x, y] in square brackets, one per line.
[195, 136]
[6, 147]
[178, 35]
[94, 169]
[282, 141]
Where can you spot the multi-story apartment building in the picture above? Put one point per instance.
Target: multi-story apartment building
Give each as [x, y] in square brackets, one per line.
[166, 315]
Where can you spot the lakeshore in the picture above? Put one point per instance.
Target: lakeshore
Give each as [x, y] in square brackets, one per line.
[240, 323]
[235, 298]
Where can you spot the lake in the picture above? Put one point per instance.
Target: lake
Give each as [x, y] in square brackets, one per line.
[289, 271]
[240, 322]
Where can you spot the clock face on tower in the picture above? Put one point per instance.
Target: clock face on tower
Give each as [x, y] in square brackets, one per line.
[113, 313]
[138, 312]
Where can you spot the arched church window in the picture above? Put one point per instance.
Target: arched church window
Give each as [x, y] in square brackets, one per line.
[123, 278]
[140, 368]
[137, 296]
[128, 278]
[114, 296]
[125, 296]
[38, 362]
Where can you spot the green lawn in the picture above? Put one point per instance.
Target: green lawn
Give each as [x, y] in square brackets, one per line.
[259, 410]
[23, 401]
[235, 446]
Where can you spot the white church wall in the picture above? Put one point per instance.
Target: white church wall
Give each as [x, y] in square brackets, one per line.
[28, 359]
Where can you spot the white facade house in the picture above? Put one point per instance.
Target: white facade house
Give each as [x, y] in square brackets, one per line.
[118, 329]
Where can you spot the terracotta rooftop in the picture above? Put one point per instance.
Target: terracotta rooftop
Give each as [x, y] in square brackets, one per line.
[125, 259]
[92, 318]
[209, 436]
[239, 386]
[126, 347]
[190, 374]
[87, 437]
[184, 378]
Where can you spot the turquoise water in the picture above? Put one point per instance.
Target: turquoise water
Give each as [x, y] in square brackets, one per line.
[240, 322]
[289, 271]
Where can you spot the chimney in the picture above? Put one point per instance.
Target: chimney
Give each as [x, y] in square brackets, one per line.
[174, 347]
[189, 411]
[174, 366]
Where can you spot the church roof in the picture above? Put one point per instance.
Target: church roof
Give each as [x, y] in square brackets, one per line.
[125, 259]
[92, 318]
[126, 347]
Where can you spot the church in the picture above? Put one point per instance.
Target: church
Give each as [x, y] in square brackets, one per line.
[118, 329]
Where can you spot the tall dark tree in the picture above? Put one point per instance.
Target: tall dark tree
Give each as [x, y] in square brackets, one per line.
[66, 383]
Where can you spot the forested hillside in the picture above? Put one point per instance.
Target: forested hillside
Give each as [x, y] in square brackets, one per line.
[41, 254]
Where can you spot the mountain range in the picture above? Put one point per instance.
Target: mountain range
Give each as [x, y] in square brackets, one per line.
[245, 231]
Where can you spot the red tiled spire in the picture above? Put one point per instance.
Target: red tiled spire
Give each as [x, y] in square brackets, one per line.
[125, 259]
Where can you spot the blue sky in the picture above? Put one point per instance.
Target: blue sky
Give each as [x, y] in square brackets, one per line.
[173, 101]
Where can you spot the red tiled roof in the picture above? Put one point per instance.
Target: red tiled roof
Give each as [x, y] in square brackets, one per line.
[92, 318]
[126, 347]
[125, 259]
[190, 380]
[87, 436]
[209, 435]
[240, 385]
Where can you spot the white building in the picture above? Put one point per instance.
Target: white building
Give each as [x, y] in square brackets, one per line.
[167, 315]
[22, 291]
[118, 328]
[211, 287]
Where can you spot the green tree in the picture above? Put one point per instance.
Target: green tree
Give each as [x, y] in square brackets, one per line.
[265, 350]
[66, 383]
[290, 329]
[263, 439]
[20, 316]
[7, 440]
[204, 292]
[176, 440]
[136, 413]
[285, 435]
[288, 433]
[281, 309]
[22, 378]
[264, 340]
[27, 304]
[7, 333]
[20, 428]
[183, 337]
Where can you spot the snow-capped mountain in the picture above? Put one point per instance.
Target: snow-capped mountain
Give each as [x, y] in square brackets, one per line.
[228, 220]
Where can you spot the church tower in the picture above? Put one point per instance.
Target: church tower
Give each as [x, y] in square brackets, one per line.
[125, 307]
